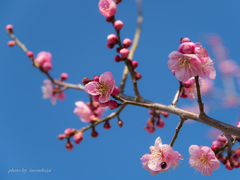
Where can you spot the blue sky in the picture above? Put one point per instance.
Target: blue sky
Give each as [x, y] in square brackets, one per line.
[75, 33]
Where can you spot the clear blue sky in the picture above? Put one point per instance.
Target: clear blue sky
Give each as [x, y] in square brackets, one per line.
[75, 33]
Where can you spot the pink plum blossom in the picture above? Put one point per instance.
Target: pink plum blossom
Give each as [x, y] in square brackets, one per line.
[83, 111]
[161, 158]
[107, 7]
[203, 159]
[191, 90]
[48, 92]
[185, 65]
[103, 88]
[44, 60]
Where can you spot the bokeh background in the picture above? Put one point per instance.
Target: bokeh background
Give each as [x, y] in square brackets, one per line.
[75, 33]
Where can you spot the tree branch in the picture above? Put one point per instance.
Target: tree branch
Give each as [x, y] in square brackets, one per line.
[177, 131]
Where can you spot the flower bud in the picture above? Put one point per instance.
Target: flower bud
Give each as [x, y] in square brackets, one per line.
[85, 80]
[134, 64]
[117, 58]
[138, 76]
[93, 119]
[94, 133]
[165, 114]
[109, 19]
[124, 52]
[30, 54]
[95, 98]
[118, 49]
[223, 139]
[160, 123]
[115, 91]
[118, 1]
[47, 66]
[110, 46]
[78, 137]
[9, 28]
[217, 143]
[184, 40]
[186, 48]
[11, 43]
[118, 24]
[183, 94]
[112, 39]
[229, 165]
[120, 123]
[61, 136]
[112, 104]
[127, 43]
[107, 125]
[63, 76]
[69, 132]
[69, 146]
[96, 78]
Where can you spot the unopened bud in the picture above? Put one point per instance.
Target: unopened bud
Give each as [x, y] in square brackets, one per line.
[85, 80]
[107, 125]
[69, 146]
[61, 136]
[94, 133]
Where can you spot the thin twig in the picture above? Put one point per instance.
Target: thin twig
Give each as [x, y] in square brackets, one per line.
[177, 131]
[175, 100]
[134, 45]
[226, 145]
[200, 103]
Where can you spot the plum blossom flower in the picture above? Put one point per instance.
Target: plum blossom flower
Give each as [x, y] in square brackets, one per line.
[185, 65]
[44, 60]
[48, 92]
[84, 111]
[161, 158]
[107, 7]
[103, 88]
[203, 159]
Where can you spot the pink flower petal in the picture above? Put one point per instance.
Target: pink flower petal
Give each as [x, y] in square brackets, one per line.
[93, 88]
[158, 143]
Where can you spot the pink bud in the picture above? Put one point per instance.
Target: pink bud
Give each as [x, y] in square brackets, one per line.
[184, 40]
[96, 78]
[117, 58]
[115, 91]
[183, 94]
[138, 76]
[112, 39]
[78, 137]
[223, 139]
[187, 84]
[237, 152]
[95, 98]
[238, 124]
[217, 143]
[110, 46]
[186, 48]
[134, 64]
[118, 24]
[214, 147]
[237, 165]
[69, 132]
[103, 104]
[107, 125]
[61, 136]
[94, 133]
[63, 76]
[93, 119]
[9, 28]
[118, 49]
[118, 1]
[173, 72]
[85, 80]
[109, 19]
[229, 166]
[160, 123]
[30, 54]
[127, 43]
[120, 123]
[124, 52]
[69, 146]
[165, 114]
[150, 129]
[150, 111]
[47, 66]
[11, 43]
[112, 104]
[224, 160]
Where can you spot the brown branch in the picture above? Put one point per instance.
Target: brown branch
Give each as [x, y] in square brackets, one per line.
[134, 45]
[226, 145]
[175, 100]
[177, 131]
[200, 103]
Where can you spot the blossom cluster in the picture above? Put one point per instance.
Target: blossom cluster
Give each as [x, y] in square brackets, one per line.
[191, 60]
[162, 157]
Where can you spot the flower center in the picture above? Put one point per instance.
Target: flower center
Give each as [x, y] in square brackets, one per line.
[203, 160]
[104, 4]
[103, 88]
[184, 63]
